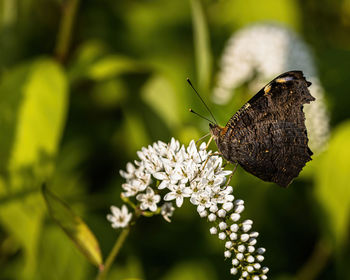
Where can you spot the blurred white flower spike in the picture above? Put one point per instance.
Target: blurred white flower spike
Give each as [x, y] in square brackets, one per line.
[173, 172]
[260, 52]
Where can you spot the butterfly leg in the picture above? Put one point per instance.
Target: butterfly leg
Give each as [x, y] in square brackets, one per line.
[205, 163]
[209, 156]
[210, 139]
[202, 138]
[233, 172]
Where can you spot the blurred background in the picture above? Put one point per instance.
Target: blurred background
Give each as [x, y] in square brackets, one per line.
[85, 84]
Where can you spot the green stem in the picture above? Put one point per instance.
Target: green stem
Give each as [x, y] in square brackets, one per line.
[317, 261]
[113, 254]
[201, 46]
[66, 29]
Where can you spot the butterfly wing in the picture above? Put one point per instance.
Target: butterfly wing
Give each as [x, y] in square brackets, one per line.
[267, 136]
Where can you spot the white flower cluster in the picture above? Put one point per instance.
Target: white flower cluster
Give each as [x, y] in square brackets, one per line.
[172, 172]
[181, 172]
[240, 241]
[262, 52]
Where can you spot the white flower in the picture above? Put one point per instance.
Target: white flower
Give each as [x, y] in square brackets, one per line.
[178, 192]
[212, 217]
[235, 262]
[233, 271]
[221, 195]
[197, 186]
[202, 200]
[213, 208]
[130, 171]
[213, 230]
[150, 159]
[167, 211]
[234, 227]
[133, 187]
[192, 153]
[235, 217]
[130, 189]
[203, 213]
[148, 200]
[222, 235]
[169, 177]
[222, 213]
[222, 225]
[120, 218]
[227, 254]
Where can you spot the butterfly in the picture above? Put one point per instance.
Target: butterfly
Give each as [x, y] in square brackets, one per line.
[268, 136]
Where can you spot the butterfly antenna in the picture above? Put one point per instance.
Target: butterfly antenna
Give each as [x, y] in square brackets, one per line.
[201, 116]
[188, 80]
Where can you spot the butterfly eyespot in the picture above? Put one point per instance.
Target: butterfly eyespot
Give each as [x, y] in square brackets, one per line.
[267, 89]
[284, 79]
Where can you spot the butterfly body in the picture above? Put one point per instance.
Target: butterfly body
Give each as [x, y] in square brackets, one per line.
[267, 136]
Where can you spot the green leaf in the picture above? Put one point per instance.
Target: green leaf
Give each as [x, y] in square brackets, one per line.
[33, 101]
[202, 46]
[23, 221]
[74, 227]
[130, 269]
[160, 95]
[191, 271]
[332, 185]
[56, 249]
[133, 134]
[238, 13]
[110, 66]
[108, 94]
[94, 62]
[33, 104]
[86, 55]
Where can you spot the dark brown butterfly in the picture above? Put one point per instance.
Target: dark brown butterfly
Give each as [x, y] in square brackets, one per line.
[267, 136]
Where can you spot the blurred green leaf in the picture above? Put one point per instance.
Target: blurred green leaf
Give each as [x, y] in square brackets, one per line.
[74, 227]
[241, 12]
[332, 185]
[33, 101]
[56, 252]
[94, 62]
[110, 66]
[86, 55]
[191, 271]
[130, 270]
[160, 95]
[134, 134]
[202, 46]
[23, 220]
[108, 94]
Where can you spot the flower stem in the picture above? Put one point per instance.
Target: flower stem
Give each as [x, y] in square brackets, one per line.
[66, 29]
[113, 254]
[317, 261]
